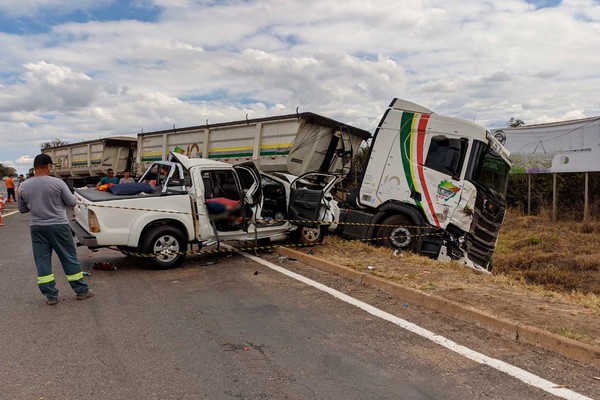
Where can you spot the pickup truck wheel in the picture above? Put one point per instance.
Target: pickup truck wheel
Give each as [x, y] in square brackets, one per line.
[310, 235]
[166, 242]
[403, 236]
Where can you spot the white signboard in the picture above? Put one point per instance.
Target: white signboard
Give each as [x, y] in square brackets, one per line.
[569, 146]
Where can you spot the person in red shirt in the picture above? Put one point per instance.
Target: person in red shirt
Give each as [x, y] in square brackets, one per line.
[10, 189]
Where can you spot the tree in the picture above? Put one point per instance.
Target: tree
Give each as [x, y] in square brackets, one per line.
[5, 171]
[515, 122]
[359, 165]
[52, 143]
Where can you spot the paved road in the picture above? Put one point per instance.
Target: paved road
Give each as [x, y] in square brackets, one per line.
[232, 330]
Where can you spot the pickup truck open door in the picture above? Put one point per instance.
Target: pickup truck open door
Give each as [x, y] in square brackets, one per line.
[307, 194]
[249, 177]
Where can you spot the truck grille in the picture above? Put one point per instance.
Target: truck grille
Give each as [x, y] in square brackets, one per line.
[487, 218]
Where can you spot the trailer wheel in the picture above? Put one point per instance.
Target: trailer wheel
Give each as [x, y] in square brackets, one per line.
[403, 236]
[168, 243]
[310, 236]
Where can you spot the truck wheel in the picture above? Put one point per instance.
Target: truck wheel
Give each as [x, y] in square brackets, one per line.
[402, 237]
[310, 235]
[166, 241]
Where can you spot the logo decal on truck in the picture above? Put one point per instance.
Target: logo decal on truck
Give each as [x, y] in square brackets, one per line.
[447, 190]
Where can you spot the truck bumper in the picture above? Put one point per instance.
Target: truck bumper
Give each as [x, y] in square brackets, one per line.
[83, 236]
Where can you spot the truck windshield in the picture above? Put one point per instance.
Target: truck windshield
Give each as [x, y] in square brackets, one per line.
[491, 170]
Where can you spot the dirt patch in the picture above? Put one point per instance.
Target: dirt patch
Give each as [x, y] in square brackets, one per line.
[545, 275]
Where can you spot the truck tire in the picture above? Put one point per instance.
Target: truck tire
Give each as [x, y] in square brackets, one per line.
[310, 236]
[164, 239]
[405, 236]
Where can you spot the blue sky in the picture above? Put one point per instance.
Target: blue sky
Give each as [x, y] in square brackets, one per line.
[45, 18]
[90, 68]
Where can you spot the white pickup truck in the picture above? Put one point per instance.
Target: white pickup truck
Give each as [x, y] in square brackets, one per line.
[200, 201]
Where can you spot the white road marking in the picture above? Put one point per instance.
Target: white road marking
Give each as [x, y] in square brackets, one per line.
[9, 213]
[516, 372]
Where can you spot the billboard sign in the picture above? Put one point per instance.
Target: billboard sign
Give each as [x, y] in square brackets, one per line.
[568, 146]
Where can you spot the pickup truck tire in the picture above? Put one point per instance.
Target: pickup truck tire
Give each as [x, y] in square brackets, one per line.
[404, 236]
[310, 236]
[163, 239]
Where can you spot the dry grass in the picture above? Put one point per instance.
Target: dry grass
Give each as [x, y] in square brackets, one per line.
[563, 256]
[412, 270]
[572, 333]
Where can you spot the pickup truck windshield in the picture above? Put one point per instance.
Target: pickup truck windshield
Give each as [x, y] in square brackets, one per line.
[490, 170]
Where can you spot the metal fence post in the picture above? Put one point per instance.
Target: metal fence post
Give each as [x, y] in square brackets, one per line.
[554, 197]
[528, 194]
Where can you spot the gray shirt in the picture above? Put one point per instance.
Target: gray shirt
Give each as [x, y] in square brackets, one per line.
[47, 198]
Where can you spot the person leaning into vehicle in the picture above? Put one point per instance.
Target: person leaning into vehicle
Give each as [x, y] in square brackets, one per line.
[47, 199]
[111, 178]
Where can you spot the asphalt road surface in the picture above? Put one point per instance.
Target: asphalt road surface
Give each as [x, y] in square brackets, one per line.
[236, 329]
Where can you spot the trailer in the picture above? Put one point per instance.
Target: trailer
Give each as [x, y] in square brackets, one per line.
[311, 142]
[79, 164]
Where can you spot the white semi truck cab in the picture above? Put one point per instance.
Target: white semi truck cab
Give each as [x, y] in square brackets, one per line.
[433, 184]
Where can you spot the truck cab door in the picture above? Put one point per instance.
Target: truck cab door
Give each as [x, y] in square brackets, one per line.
[249, 178]
[307, 192]
[443, 168]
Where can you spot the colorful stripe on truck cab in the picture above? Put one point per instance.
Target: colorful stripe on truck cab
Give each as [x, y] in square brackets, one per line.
[413, 128]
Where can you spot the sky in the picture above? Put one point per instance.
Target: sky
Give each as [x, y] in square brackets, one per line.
[85, 69]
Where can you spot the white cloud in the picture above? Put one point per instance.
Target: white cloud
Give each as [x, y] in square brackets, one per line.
[48, 88]
[25, 160]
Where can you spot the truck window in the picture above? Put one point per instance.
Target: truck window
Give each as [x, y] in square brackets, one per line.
[220, 184]
[446, 155]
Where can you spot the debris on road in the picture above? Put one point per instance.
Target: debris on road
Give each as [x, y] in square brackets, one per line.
[104, 266]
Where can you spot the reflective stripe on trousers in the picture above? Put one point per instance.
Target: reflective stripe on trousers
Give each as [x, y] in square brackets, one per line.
[45, 279]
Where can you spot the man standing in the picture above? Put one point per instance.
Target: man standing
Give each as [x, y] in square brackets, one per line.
[47, 198]
[111, 178]
[10, 189]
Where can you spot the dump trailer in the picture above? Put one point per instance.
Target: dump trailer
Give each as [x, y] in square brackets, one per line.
[83, 163]
[311, 143]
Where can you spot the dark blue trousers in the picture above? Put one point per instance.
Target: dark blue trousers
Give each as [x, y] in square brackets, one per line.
[44, 240]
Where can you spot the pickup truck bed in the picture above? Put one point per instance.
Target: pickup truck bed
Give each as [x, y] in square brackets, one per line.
[95, 195]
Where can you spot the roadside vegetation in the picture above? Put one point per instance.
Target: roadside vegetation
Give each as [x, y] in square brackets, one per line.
[545, 274]
[563, 256]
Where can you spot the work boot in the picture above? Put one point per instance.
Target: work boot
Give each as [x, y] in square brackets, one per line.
[51, 301]
[84, 295]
